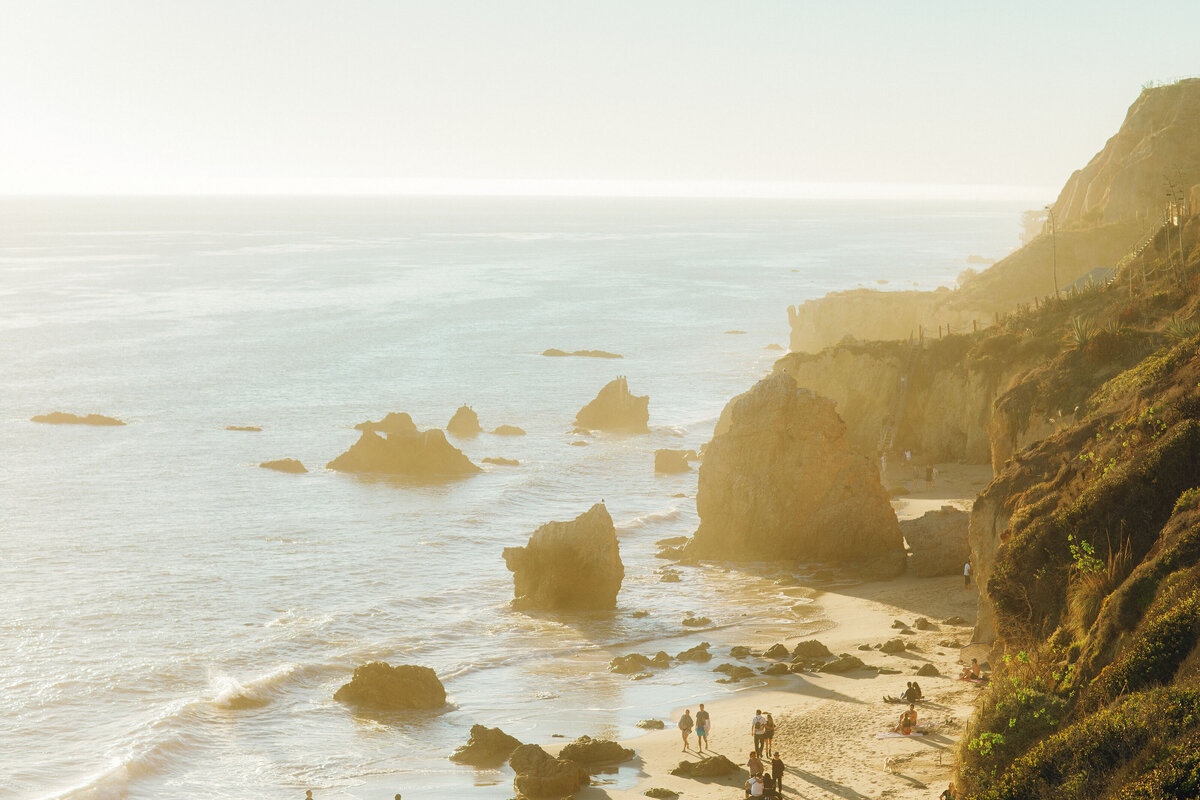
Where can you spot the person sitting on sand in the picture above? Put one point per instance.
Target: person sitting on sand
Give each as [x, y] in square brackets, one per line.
[972, 672]
[754, 786]
[685, 727]
[703, 723]
[769, 733]
[754, 765]
[769, 790]
[919, 695]
[949, 794]
[908, 721]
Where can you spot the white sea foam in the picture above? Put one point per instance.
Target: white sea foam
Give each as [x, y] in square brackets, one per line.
[650, 518]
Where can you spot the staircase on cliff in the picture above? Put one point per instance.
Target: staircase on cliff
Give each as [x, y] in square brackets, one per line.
[1127, 261]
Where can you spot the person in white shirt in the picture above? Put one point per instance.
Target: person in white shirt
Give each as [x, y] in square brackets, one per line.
[754, 787]
[967, 575]
[758, 729]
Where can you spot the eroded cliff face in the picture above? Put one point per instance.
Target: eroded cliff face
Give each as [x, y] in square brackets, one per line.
[781, 481]
[1154, 149]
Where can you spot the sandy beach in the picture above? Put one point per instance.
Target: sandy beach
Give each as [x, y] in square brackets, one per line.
[827, 724]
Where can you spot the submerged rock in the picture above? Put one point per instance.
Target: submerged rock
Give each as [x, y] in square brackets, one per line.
[636, 662]
[464, 422]
[242, 428]
[695, 622]
[63, 418]
[586, 750]
[487, 747]
[392, 423]
[666, 460]
[697, 653]
[509, 430]
[652, 724]
[424, 454]
[616, 409]
[938, 541]
[780, 481]
[284, 465]
[380, 685]
[540, 774]
[572, 565]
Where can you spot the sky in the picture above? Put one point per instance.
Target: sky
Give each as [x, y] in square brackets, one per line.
[564, 96]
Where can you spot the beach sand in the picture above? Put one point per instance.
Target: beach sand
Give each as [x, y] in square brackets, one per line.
[827, 724]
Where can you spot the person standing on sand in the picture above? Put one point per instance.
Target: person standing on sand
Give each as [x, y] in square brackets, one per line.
[777, 771]
[703, 722]
[685, 727]
[754, 765]
[928, 477]
[967, 575]
[769, 733]
[758, 727]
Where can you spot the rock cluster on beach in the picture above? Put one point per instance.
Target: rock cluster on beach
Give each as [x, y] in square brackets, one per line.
[938, 540]
[780, 481]
[423, 454]
[572, 565]
[615, 409]
[540, 774]
[487, 747]
[465, 422]
[63, 418]
[586, 750]
[380, 685]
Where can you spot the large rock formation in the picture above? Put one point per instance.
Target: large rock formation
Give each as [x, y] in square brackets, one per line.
[393, 423]
[465, 422]
[780, 481]
[421, 454]
[568, 565]
[1156, 148]
[938, 541]
[615, 409]
[63, 418]
[540, 774]
[487, 747]
[380, 685]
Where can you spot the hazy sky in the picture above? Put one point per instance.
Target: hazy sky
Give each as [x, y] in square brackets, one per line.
[258, 95]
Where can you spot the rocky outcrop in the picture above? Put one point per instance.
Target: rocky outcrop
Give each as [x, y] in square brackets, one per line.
[509, 430]
[380, 685]
[780, 481]
[487, 747]
[938, 540]
[572, 565]
[393, 423]
[284, 465]
[554, 351]
[465, 422]
[615, 409]
[63, 418]
[636, 662]
[425, 454]
[541, 775]
[666, 460]
[586, 750]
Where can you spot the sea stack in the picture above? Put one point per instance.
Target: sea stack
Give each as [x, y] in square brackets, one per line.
[616, 409]
[420, 453]
[780, 481]
[465, 422]
[380, 685]
[568, 566]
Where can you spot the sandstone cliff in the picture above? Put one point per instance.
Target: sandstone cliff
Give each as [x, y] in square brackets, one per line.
[423, 454]
[572, 565]
[615, 409]
[780, 481]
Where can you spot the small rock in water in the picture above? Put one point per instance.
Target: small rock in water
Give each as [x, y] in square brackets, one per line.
[696, 622]
[697, 653]
[641, 612]
[652, 724]
[380, 685]
[503, 462]
[509, 430]
[739, 651]
[284, 465]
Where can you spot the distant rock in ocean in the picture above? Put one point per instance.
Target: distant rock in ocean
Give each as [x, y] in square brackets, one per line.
[421, 454]
[572, 565]
[465, 422]
[554, 351]
[616, 409]
[392, 423]
[773, 346]
[63, 418]
[242, 428]
[284, 465]
[780, 481]
[509, 430]
[666, 460]
[380, 685]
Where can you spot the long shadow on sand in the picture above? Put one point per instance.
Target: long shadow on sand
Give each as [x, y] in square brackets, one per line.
[825, 785]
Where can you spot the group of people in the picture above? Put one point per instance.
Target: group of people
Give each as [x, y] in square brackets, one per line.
[763, 783]
[912, 694]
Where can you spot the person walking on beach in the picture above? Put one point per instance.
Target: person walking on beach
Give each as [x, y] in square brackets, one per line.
[967, 575]
[769, 733]
[754, 765]
[777, 771]
[685, 727]
[758, 729]
[703, 722]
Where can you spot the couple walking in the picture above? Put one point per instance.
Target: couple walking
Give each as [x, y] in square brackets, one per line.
[702, 724]
[762, 728]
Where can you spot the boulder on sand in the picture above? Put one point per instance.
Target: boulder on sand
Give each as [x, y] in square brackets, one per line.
[615, 409]
[380, 685]
[572, 565]
[423, 454]
[781, 481]
[938, 540]
[710, 767]
[845, 663]
[487, 747]
[63, 418]
[392, 423]
[586, 750]
[666, 460]
[810, 649]
[284, 465]
[540, 774]
[465, 422]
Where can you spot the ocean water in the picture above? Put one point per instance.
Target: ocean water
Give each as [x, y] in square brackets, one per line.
[174, 620]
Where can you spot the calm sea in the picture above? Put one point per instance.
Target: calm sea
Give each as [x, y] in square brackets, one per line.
[174, 620]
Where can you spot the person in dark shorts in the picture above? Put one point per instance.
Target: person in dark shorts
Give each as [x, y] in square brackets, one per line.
[769, 733]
